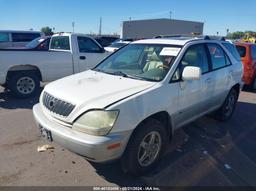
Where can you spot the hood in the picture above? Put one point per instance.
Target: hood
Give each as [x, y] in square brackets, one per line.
[91, 89]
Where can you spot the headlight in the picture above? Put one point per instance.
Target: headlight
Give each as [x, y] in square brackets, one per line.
[96, 122]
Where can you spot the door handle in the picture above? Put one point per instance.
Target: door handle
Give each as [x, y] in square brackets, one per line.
[82, 57]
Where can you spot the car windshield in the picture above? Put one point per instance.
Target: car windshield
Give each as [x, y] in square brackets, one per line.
[34, 43]
[149, 62]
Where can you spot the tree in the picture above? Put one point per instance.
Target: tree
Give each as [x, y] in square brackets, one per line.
[47, 31]
[236, 35]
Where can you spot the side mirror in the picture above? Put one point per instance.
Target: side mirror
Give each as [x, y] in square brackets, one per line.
[191, 73]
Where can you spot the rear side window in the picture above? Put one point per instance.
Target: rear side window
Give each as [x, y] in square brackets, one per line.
[87, 45]
[253, 51]
[60, 43]
[4, 37]
[24, 37]
[232, 49]
[218, 57]
[241, 50]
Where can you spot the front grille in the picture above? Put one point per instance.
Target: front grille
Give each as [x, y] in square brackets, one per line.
[56, 105]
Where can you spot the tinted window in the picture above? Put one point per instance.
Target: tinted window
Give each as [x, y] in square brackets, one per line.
[241, 50]
[60, 43]
[218, 56]
[24, 37]
[4, 37]
[231, 48]
[253, 51]
[87, 45]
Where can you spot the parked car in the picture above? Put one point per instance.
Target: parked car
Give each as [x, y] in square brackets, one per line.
[129, 105]
[21, 70]
[247, 52]
[116, 45]
[10, 38]
[40, 44]
[105, 40]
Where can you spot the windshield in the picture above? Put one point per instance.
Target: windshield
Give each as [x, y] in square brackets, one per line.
[34, 43]
[141, 61]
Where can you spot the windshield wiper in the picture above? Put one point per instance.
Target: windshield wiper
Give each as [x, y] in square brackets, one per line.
[123, 74]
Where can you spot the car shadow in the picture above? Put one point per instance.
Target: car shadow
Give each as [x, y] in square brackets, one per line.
[8, 101]
[189, 147]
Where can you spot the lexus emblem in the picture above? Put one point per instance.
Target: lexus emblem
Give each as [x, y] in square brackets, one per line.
[52, 103]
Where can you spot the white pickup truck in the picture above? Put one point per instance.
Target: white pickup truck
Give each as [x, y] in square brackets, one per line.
[22, 70]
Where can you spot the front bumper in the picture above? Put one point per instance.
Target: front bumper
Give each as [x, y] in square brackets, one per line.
[93, 148]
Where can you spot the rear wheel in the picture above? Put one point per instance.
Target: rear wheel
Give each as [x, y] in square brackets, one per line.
[145, 147]
[227, 109]
[24, 84]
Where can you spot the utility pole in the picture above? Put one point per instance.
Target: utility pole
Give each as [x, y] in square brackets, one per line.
[170, 14]
[100, 28]
[73, 26]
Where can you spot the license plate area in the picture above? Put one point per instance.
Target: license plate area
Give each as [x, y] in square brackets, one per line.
[46, 133]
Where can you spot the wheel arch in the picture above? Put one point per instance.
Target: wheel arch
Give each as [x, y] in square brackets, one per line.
[12, 70]
[164, 118]
[237, 88]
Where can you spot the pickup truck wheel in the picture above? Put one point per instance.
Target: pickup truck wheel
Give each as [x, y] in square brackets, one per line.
[145, 148]
[24, 84]
[227, 109]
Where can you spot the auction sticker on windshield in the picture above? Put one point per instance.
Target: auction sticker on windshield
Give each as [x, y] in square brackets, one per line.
[170, 51]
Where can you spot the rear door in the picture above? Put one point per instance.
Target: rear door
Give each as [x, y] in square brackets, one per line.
[220, 74]
[89, 54]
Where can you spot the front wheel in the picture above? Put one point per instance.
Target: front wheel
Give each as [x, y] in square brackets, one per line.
[145, 147]
[227, 109]
[24, 84]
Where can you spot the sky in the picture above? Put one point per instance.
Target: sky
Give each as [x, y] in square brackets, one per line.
[217, 15]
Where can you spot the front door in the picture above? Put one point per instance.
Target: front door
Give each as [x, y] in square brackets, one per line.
[193, 99]
[90, 53]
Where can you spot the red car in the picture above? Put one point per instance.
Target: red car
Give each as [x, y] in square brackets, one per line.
[247, 53]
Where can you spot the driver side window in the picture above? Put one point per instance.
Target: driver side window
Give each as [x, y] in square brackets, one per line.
[195, 56]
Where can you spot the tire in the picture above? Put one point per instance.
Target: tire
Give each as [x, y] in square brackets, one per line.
[226, 111]
[134, 160]
[24, 84]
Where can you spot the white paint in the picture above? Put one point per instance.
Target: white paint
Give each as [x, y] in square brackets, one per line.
[170, 51]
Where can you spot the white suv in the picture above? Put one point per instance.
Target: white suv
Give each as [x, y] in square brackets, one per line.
[129, 106]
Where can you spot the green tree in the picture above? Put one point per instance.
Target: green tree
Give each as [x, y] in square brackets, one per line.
[236, 35]
[47, 31]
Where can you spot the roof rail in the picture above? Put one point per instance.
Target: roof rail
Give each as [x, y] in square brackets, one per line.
[204, 37]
